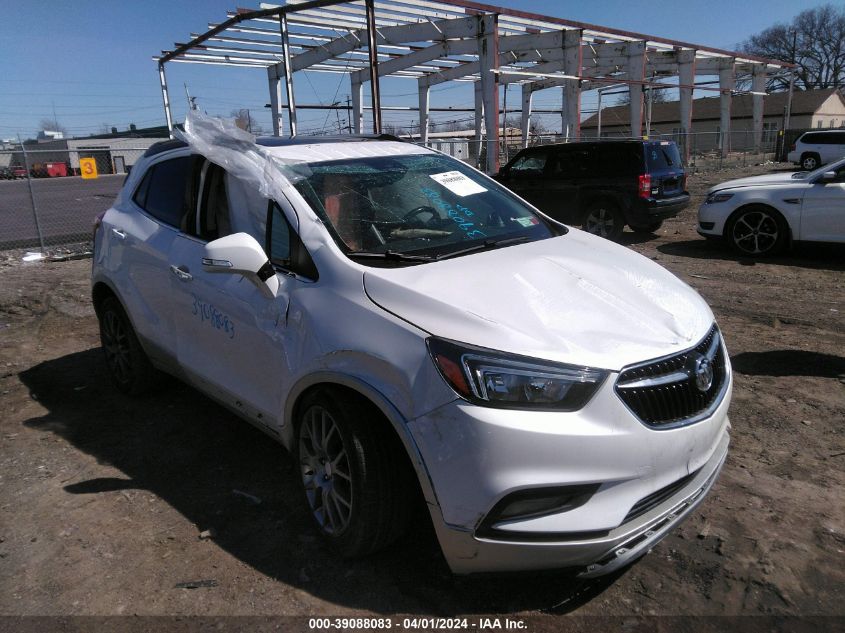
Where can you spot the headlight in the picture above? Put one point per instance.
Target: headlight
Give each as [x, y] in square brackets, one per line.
[495, 379]
[718, 196]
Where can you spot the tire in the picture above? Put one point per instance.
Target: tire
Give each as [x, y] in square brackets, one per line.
[809, 162]
[604, 218]
[355, 476]
[756, 231]
[130, 369]
[646, 228]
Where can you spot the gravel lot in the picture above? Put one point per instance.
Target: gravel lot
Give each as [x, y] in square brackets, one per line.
[108, 502]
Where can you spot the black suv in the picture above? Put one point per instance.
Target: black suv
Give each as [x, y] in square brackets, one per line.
[602, 185]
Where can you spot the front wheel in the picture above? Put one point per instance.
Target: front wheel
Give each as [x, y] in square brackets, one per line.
[757, 231]
[604, 219]
[647, 228]
[355, 481]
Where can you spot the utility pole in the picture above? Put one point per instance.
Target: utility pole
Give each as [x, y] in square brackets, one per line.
[791, 84]
[348, 114]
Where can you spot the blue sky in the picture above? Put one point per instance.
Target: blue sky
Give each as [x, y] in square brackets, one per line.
[91, 59]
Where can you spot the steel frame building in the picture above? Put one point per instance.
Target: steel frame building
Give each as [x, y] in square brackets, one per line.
[433, 42]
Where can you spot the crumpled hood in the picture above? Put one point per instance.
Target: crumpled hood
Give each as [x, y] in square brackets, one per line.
[753, 181]
[576, 299]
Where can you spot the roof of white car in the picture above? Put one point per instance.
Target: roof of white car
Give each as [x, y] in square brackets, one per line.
[320, 149]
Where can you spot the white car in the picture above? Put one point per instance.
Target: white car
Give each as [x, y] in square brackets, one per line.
[761, 215]
[813, 149]
[400, 322]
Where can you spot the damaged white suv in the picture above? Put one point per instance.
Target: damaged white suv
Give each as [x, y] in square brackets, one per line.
[397, 320]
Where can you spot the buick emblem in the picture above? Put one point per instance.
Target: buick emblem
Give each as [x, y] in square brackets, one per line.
[702, 372]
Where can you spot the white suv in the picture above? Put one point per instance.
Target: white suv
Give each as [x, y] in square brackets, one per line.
[401, 322]
[814, 149]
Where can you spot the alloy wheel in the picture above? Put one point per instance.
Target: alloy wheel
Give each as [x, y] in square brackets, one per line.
[116, 345]
[755, 232]
[600, 222]
[326, 473]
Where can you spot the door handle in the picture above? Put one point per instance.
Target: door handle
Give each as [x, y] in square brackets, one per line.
[118, 233]
[182, 274]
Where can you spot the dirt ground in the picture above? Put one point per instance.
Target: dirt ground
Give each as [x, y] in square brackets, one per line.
[108, 503]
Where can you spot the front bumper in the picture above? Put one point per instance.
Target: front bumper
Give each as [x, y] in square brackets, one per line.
[476, 456]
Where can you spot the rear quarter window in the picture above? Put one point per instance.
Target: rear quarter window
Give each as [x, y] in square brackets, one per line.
[162, 191]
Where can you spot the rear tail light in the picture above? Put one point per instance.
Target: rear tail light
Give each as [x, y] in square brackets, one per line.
[792, 147]
[644, 188]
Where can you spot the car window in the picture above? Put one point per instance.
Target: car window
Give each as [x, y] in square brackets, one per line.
[284, 247]
[662, 156]
[164, 188]
[528, 165]
[571, 162]
[278, 238]
[619, 159]
[214, 219]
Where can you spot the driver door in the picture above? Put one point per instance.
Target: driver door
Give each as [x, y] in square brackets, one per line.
[230, 332]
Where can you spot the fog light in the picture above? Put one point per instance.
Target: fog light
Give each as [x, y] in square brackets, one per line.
[534, 503]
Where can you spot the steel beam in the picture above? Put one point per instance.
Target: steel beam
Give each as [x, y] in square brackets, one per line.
[275, 100]
[424, 117]
[527, 95]
[357, 113]
[165, 96]
[758, 87]
[686, 77]
[727, 83]
[635, 70]
[571, 91]
[488, 56]
[372, 47]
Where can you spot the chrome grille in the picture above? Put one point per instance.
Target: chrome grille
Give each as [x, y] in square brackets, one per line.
[665, 393]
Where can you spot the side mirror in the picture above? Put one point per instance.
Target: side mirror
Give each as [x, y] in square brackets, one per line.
[828, 176]
[241, 254]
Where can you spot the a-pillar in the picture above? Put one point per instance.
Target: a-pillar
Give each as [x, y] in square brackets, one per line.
[686, 79]
[635, 73]
[758, 87]
[357, 115]
[424, 110]
[570, 113]
[527, 93]
[727, 82]
[488, 56]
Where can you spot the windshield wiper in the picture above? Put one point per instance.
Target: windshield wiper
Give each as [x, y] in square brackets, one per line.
[485, 245]
[391, 256]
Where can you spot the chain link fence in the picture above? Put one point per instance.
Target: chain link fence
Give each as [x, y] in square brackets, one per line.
[46, 204]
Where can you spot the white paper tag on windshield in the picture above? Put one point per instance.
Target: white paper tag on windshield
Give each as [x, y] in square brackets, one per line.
[457, 183]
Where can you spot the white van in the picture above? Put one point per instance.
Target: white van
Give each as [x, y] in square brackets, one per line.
[814, 149]
[400, 322]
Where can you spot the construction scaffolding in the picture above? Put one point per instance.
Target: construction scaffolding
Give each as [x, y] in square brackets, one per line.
[436, 42]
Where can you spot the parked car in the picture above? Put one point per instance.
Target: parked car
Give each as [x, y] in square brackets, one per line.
[401, 322]
[813, 149]
[761, 215]
[19, 172]
[6, 173]
[602, 186]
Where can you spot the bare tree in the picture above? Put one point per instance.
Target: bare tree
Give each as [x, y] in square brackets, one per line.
[658, 95]
[815, 41]
[245, 121]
